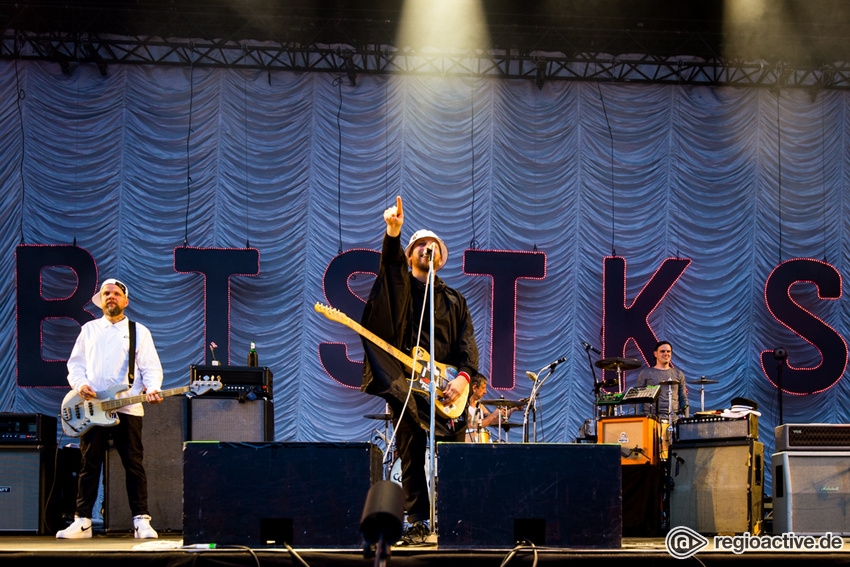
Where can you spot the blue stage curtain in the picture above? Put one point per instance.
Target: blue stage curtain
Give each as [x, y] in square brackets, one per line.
[301, 166]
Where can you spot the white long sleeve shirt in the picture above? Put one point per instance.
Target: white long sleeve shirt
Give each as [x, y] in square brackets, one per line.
[101, 356]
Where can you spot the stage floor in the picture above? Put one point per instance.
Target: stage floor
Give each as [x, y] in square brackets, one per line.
[105, 549]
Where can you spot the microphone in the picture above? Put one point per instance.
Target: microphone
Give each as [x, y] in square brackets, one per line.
[556, 363]
[429, 250]
[587, 346]
[531, 375]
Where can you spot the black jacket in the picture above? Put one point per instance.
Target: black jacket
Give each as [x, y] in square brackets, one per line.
[393, 311]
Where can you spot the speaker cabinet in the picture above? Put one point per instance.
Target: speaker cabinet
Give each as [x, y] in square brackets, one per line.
[718, 487]
[25, 475]
[163, 434]
[228, 419]
[637, 437]
[554, 495]
[271, 494]
[811, 492]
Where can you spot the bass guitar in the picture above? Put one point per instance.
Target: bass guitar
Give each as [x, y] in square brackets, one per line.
[418, 362]
[79, 414]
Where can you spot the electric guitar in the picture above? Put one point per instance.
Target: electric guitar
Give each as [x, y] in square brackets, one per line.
[419, 363]
[79, 414]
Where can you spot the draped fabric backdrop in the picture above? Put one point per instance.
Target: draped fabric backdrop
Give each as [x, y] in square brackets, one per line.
[301, 166]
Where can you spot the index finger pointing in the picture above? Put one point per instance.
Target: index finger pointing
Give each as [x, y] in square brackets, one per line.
[398, 205]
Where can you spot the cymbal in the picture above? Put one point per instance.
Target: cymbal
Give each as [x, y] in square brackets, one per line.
[617, 362]
[381, 416]
[703, 381]
[502, 403]
[668, 383]
[609, 383]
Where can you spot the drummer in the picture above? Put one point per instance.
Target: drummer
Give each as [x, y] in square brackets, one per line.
[479, 416]
[672, 381]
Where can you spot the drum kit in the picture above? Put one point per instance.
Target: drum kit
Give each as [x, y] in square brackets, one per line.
[392, 463]
[608, 402]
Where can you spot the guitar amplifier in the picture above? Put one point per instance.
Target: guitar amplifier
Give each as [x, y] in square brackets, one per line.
[812, 437]
[638, 437]
[716, 428]
[237, 381]
[27, 429]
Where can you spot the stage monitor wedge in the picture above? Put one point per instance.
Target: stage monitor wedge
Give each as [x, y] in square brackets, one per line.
[272, 494]
[493, 495]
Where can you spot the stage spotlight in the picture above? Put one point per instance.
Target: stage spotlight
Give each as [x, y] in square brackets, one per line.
[540, 79]
[348, 64]
[95, 56]
[383, 516]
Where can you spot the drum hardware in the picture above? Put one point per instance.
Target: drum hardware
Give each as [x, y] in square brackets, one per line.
[389, 444]
[617, 363]
[502, 403]
[702, 382]
[507, 426]
[378, 416]
[669, 384]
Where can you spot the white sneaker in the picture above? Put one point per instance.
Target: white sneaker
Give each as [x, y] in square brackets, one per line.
[81, 528]
[142, 528]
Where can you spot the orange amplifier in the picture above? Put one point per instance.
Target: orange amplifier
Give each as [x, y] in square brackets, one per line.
[637, 436]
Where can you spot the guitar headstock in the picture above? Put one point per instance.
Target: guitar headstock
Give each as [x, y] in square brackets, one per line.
[199, 387]
[331, 313]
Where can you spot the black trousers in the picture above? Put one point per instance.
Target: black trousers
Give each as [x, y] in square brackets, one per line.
[411, 442]
[127, 437]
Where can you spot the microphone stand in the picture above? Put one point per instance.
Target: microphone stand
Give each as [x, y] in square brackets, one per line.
[433, 390]
[532, 402]
[596, 388]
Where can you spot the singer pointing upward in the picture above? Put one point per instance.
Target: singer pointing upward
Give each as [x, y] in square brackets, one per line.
[393, 312]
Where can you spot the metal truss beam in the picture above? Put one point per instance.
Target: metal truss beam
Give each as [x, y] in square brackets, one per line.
[541, 67]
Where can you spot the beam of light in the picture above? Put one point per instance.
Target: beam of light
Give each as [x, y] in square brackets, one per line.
[454, 25]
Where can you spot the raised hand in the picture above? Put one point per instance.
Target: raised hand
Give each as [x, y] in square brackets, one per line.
[394, 217]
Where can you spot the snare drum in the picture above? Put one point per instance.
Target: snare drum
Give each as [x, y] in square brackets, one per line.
[475, 436]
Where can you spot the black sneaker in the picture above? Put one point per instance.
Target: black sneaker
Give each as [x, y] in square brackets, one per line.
[416, 534]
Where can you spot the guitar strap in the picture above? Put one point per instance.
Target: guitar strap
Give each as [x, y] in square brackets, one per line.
[131, 365]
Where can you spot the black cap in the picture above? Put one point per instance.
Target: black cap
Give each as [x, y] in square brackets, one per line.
[745, 402]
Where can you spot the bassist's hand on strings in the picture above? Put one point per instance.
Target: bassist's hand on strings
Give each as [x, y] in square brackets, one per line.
[153, 397]
[86, 392]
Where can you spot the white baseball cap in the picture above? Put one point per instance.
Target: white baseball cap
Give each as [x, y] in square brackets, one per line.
[423, 234]
[96, 297]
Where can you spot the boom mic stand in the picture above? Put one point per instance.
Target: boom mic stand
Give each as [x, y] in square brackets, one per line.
[597, 386]
[531, 406]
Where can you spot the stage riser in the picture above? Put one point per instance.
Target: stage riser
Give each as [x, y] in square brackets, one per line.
[261, 494]
[492, 495]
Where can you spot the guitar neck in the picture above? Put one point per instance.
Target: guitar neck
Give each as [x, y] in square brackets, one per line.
[387, 347]
[121, 402]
